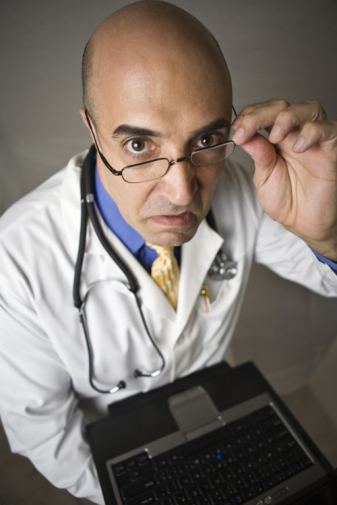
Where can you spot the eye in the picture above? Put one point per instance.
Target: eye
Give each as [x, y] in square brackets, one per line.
[208, 140]
[136, 145]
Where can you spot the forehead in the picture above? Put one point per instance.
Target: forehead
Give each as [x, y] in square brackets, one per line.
[166, 86]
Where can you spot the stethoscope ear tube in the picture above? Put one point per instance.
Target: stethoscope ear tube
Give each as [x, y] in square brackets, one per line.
[89, 185]
[83, 234]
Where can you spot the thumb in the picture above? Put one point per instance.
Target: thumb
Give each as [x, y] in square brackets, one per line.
[263, 154]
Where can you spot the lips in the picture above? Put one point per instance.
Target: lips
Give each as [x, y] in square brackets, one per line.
[179, 220]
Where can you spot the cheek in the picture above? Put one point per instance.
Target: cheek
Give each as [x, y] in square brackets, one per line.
[129, 198]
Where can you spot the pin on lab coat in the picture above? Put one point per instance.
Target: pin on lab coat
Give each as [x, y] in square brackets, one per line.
[44, 360]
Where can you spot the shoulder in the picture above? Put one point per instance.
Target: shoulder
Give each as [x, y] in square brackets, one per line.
[38, 201]
[36, 233]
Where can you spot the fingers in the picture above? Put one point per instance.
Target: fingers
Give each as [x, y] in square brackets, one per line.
[315, 132]
[277, 117]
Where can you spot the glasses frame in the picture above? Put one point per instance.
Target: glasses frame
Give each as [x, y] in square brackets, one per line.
[169, 163]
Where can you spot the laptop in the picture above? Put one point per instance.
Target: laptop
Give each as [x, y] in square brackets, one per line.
[220, 436]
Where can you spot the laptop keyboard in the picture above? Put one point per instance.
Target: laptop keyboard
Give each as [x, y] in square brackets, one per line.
[228, 466]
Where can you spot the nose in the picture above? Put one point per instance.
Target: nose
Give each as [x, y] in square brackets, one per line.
[181, 182]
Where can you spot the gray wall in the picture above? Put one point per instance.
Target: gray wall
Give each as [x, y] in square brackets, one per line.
[275, 49]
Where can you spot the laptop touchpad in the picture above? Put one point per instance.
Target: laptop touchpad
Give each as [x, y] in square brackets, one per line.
[195, 412]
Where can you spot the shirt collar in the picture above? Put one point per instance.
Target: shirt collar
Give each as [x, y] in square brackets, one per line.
[114, 219]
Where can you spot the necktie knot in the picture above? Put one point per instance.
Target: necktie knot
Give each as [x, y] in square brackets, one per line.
[167, 251]
[165, 272]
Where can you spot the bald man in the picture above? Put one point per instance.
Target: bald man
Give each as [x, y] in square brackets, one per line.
[157, 101]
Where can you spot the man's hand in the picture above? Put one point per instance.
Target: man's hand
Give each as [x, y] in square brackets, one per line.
[296, 169]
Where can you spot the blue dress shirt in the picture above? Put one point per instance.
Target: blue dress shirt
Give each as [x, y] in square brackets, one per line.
[126, 234]
[135, 242]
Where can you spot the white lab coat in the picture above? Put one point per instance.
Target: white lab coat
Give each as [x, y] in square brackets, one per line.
[44, 361]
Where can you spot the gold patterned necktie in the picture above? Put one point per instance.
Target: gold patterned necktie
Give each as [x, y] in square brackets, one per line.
[165, 271]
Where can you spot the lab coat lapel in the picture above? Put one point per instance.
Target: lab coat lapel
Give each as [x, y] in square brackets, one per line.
[197, 257]
[150, 294]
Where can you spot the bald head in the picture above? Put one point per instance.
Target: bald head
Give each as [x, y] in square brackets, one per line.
[149, 34]
[156, 87]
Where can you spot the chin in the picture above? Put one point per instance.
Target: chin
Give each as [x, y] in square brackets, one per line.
[172, 238]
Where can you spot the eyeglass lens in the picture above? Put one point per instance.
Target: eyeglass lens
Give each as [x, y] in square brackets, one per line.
[155, 169]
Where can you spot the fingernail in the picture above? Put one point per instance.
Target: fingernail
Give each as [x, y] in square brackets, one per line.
[275, 132]
[238, 134]
[237, 121]
[299, 144]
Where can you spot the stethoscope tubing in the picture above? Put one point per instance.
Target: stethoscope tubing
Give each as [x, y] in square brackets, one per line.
[88, 211]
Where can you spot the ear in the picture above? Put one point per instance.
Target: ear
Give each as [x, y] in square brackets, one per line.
[85, 121]
[84, 118]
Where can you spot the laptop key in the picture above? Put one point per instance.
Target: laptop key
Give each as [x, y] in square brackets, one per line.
[173, 471]
[161, 476]
[298, 453]
[180, 497]
[183, 466]
[193, 491]
[216, 495]
[289, 443]
[196, 475]
[146, 469]
[296, 468]
[131, 464]
[204, 486]
[237, 499]
[172, 486]
[207, 469]
[205, 500]
[134, 475]
[143, 499]
[271, 424]
[305, 463]
[119, 469]
[142, 458]
[161, 492]
[173, 456]
[168, 501]
[160, 462]
[268, 483]
[138, 487]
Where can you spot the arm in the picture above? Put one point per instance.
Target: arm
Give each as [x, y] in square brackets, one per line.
[295, 169]
[38, 405]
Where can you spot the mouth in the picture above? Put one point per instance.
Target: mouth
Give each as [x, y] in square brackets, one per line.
[178, 220]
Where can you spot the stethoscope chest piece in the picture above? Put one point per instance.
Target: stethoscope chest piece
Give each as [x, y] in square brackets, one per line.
[222, 268]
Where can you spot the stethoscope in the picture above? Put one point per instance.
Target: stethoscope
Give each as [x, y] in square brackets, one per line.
[221, 269]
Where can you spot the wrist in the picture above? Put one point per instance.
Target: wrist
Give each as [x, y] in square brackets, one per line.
[327, 250]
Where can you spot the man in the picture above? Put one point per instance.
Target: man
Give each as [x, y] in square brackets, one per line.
[155, 86]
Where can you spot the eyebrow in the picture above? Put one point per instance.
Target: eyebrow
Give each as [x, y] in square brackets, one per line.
[219, 123]
[126, 129]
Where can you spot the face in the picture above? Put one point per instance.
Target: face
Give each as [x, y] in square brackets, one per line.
[165, 108]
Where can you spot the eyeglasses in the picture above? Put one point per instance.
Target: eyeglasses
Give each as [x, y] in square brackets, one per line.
[156, 168]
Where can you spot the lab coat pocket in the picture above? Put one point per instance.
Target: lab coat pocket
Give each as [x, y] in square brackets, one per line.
[217, 317]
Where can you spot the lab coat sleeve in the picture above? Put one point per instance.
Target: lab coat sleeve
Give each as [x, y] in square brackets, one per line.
[291, 258]
[38, 406]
